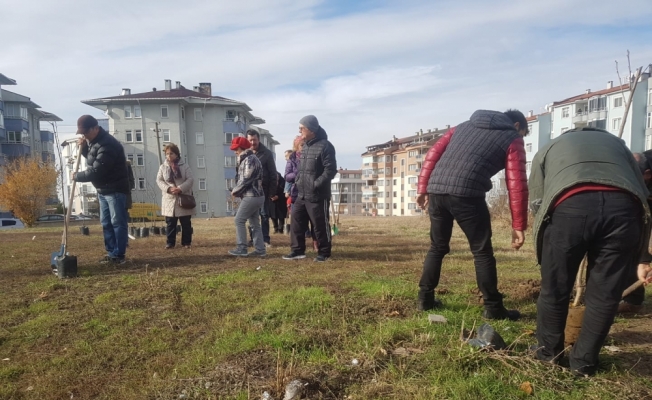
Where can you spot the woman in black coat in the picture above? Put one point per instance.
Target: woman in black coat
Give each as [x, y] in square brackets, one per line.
[280, 206]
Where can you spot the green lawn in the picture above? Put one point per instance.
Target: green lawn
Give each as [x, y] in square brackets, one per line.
[200, 324]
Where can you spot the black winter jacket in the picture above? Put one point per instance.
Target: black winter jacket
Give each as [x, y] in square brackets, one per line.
[317, 168]
[266, 158]
[106, 165]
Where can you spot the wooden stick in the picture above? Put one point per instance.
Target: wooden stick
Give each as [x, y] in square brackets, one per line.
[635, 286]
[579, 289]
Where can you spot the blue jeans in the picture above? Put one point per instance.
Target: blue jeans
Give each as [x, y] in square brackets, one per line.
[113, 216]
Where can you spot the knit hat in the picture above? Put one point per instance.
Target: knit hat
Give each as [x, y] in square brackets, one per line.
[310, 122]
[85, 123]
[240, 142]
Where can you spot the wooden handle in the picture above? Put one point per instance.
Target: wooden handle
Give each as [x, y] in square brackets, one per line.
[634, 286]
[64, 240]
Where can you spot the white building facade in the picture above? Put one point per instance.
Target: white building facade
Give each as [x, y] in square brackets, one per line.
[346, 189]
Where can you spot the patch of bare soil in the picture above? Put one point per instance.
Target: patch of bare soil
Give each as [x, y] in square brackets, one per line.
[526, 291]
[633, 338]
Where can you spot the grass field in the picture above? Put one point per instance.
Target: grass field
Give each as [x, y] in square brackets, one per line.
[200, 324]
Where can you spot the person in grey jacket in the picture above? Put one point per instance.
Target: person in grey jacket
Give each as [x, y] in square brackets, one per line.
[175, 178]
[268, 164]
[249, 188]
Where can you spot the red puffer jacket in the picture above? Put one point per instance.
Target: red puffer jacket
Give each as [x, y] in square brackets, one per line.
[515, 176]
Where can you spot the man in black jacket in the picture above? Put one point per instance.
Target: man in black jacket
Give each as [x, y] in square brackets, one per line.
[266, 158]
[107, 171]
[317, 168]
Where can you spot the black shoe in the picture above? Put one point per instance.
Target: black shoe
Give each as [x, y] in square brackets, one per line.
[321, 258]
[294, 256]
[503, 313]
[169, 246]
[118, 261]
[429, 305]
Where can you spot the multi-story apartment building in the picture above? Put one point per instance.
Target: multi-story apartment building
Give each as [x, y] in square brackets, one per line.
[391, 170]
[4, 80]
[346, 189]
[23, 136]
[202, 125]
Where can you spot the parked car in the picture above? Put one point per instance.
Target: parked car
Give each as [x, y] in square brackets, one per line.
[11, 223]
[81, 217]
[52, 218]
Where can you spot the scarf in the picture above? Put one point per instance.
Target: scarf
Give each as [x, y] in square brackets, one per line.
[175, 172]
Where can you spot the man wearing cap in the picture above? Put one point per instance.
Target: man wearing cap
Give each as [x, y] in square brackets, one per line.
[249, 188]
[317, 168]
[107, 171]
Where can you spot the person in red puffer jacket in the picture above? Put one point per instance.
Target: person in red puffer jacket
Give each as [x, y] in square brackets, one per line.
[454, 179]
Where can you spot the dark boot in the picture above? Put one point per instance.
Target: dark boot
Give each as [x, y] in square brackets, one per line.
[501, 313]
[427, 301]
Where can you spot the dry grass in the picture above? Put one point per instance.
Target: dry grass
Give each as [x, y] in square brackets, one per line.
[204, 325]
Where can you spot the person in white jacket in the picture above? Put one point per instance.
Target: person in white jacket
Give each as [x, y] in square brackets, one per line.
[175, 178]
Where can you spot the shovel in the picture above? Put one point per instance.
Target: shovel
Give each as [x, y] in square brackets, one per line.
[64, 265]
[334, 229]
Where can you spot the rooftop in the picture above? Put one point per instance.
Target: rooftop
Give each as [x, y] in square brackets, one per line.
[11, 97]
[4, 80]
[590, 94]
[418, 139]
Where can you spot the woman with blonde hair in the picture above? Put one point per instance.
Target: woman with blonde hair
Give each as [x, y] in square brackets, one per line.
[175, 178]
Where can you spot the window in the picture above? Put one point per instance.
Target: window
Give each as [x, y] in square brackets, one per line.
[412, 179]
[381, 182]
[600, 123]
[618, 102]
[164, 111]
[402, 161]
[565, 112]
[228, 137]
[412, 193]
[597, 104]
[166, 135]
[2, 120]
[140, 160]
[529, 128]
[230, 161]
[198, 116]
[230, 183]
[387, 206]
[394, 182]
[395, 194]
[139, 136]
[649, 120]
[129, 136]
[137, 113]
[380, 195]
[203, 207]
[412, 167]
[615, 123]
[412, 153]
[381, 206]
[130, 158]
[402, 199]
[528, 166]
[649, 98]
[394, 170]
[394, 158]
[402, 174]
[201, 162]
[14, 137]
[648, 142]
[183, 113]
[128, 112]
[202, 183]
[395, 206]
[199, 137]
[528, 147]
[141, 183]
[412, 206]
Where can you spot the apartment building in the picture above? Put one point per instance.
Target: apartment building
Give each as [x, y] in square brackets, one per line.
[390, 172]
[346, 189]
[202, 125]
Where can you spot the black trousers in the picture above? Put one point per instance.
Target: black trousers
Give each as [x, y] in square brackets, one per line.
[279, 224]
[186, 230]
[318, 215]
[607, 226]
[472, 215]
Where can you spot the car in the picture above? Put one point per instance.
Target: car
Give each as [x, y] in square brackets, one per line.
[51, 218]
[11, 223]
[80, 217]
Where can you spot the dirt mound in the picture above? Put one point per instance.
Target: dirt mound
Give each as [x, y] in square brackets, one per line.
[526, 291]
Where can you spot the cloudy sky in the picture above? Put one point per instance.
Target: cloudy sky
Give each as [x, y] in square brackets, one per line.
[367, 69]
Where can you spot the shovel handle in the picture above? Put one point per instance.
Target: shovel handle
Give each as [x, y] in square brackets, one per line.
[634, 286]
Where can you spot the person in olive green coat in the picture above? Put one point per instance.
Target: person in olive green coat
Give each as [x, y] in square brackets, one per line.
[589, 198]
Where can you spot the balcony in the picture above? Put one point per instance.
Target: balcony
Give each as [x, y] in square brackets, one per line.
[581, 117]
[597, 113]
[371, 188]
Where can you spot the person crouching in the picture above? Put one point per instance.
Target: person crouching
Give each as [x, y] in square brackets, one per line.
[249, 188]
